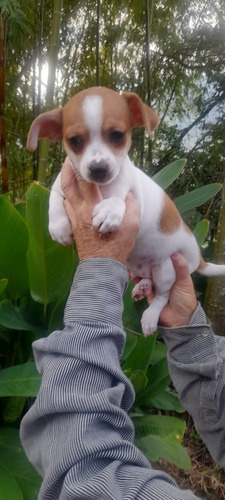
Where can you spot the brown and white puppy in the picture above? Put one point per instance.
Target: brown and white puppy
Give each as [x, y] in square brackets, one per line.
[95, 126]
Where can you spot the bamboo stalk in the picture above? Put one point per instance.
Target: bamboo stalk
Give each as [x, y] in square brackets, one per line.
[5, 186]
[52, 61]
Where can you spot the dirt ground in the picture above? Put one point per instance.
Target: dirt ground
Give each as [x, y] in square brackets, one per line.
[206, 479]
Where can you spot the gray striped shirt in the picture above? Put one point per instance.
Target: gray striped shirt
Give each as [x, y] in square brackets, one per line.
[78, 434]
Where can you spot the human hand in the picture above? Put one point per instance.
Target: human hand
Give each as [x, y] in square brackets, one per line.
[182, 301]
[81, 198]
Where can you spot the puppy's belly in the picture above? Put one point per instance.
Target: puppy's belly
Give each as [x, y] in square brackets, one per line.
[139, 268]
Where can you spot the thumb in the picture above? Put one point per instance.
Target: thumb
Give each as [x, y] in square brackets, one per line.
[180, 265]
[75, 188]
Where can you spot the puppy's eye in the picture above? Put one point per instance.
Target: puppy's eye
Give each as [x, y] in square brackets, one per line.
[76, 142]
[116, 137]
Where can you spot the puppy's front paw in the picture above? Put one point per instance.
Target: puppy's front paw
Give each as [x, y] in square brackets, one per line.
[108, 214]
[60, 230]
[142, 289]
[149, 322]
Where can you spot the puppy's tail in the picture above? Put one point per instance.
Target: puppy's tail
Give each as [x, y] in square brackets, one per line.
[209, 269]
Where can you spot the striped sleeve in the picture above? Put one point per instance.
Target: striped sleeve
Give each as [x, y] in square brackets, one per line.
[196, 359]
[78, 433]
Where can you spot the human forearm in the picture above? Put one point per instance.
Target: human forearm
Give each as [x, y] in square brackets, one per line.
[74, 365]
[196, 359]
[78, 434]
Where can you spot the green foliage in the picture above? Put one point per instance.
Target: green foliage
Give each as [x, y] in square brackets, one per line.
[21, 381]
[201, 230]
[168, 174]
[18, 479]
[197, 198]
[158, 436]
[14, 242]
[3, 284]
[35, 278]
[50, 265]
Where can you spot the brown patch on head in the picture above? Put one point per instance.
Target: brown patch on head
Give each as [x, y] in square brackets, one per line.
[114, 107]
[115, 119]
[48, 125]
[141, 115]
[170, 220]
[116, 126]
[121, 112]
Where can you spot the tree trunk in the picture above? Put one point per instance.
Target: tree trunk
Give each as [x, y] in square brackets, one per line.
[148, 23]
[97, 42]
[52, 63]
[5, 186]
[215, 292]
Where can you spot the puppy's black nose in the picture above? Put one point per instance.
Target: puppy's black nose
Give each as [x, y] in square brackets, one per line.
[98, 171]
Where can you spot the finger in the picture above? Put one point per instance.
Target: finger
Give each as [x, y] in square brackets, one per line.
[180, 265]
[69, 183]
[76, 188]
[132, 211]
[69, 210]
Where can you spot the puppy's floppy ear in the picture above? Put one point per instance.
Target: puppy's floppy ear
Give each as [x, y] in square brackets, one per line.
[141, 115]
[47, 125]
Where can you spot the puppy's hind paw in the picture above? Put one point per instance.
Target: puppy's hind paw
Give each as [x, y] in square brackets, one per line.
[142, 289]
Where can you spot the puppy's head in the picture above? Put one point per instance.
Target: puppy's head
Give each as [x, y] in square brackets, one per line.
[95, 126]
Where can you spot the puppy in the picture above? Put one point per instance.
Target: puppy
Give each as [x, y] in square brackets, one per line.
[95, 126]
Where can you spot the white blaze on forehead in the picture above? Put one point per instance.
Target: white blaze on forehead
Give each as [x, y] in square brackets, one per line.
[93, 116]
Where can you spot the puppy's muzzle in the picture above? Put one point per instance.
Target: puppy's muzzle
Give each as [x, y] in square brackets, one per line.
[99, 171]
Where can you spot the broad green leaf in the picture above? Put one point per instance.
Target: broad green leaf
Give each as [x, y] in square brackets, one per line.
[132, 311]
[166, 447]
[17, 318]
[3, 283]
[138, 379]
[13, 460]
[158, 381]
[56, 316]
[140, 356]
[136, 412]
[201, 230]
[159, 377]
[9, 488]
[166, 400]
[13, 409]
[131, 341]
[159, 352]
[21, 208]
[50, 265]
[197, 197]
[13, 247]
[168, 174]
[20, 380]
[161, 425]
[160, 436]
